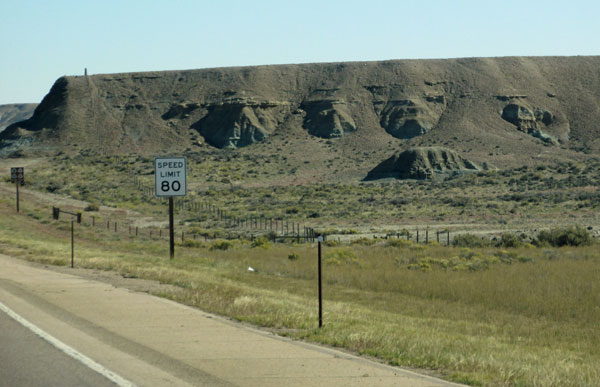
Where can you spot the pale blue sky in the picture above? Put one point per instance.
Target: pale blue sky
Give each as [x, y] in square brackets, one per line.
[43, 40]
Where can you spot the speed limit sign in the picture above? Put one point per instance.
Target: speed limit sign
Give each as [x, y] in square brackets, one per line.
[170, 176]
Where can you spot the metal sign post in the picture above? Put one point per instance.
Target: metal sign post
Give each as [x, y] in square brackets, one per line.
[17, 176]
[72, 243]
[171, 229]
[170, 180]
[320, 239]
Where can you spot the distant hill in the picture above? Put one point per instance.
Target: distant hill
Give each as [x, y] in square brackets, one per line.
[503, 112]
[9, 114]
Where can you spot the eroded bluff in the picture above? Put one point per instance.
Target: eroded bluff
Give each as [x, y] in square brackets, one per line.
[422, 163]
[328, 119]
[531, 120]
[371, 104]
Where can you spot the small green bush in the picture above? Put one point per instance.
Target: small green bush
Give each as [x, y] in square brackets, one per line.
[261, 242]
[469, 240]
[192, 243]
[398, 243]
[364, 242]
[510, 240]
[53, 186]
[338, 257]
[506, 257]
[221, 245]
[92, 207]
[567, 236]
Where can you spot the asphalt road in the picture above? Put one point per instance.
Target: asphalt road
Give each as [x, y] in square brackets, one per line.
[150, 341]
[28, 360]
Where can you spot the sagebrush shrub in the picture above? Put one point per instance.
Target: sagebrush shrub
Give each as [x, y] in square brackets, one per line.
[469, 240]
[567, 236]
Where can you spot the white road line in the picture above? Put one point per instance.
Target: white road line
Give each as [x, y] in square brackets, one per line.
[67, 349]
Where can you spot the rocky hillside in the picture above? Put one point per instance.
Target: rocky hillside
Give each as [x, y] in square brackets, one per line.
[422, 163]
[11, 113]
[349, 116]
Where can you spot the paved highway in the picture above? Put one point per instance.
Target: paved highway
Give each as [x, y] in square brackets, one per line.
[143, 340]
[28, 360]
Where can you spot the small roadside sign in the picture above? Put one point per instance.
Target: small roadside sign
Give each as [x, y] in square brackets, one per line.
[170, 176]
[17, 175]
[170, 181]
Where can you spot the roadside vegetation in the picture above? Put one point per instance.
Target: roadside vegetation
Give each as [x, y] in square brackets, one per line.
[526, 197]
[515, 311]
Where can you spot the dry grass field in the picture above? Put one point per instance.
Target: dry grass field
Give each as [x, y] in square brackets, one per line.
[481, 316]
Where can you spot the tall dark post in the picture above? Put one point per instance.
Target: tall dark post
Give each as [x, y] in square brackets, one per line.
[171, 229]
[320, 286]
[17, 184]
[72, 244]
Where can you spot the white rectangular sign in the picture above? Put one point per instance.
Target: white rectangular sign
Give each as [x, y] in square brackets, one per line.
[170, 176]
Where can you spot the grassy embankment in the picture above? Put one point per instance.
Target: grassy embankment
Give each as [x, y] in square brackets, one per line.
[526, 316]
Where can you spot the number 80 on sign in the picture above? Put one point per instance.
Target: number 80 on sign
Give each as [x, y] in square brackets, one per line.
[170, 176]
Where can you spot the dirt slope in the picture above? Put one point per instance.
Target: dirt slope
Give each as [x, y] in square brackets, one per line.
[501, 111]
